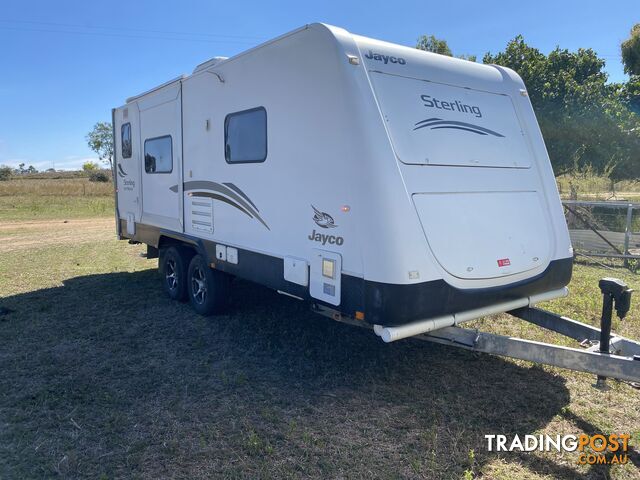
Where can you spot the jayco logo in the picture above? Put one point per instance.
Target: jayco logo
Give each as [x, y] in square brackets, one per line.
[324, 220]
[325, 239]
[371, 55]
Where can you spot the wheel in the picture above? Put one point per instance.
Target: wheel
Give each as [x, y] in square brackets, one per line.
[173, 268]
[208, 289]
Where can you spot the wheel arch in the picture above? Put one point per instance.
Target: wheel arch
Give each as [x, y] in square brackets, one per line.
[166, 240]
[187, 247]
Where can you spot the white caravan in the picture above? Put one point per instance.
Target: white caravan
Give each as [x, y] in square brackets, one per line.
[384, 184]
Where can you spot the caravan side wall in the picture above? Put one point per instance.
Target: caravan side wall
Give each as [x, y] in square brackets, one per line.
[344, 181]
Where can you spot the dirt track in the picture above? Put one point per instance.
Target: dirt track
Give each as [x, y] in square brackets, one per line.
[20, 235]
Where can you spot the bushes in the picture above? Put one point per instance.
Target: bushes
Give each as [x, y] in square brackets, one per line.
[104, 175]
[99, 176]
[5, 172]
[90, 166]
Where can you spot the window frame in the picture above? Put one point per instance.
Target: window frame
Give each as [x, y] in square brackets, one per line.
[122, 142]
[144, 154]
[227, 119]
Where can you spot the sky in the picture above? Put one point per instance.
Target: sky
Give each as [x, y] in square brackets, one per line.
[65, 64]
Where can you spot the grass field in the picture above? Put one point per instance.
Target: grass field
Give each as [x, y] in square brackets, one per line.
[47, 198]
[104, 377]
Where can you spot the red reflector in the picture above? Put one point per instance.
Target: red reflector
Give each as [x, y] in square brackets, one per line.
[504, 262]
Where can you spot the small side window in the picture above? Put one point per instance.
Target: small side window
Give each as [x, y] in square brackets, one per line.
[158, 155]
[125, 140]
[245, 136]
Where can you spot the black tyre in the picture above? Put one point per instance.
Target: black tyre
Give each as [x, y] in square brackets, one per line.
[173, 268]
[208, 289]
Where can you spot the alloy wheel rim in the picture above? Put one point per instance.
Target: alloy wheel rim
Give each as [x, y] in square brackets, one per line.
[199, 286]
[171, 275]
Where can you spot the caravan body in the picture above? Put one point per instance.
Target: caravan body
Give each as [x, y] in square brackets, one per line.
[386, 183]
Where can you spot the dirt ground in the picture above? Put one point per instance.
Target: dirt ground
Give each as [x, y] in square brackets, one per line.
[17, 235]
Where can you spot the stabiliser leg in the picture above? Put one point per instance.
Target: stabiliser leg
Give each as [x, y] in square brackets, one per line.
[616, 292]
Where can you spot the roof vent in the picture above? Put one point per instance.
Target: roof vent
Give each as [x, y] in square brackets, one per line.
[209, 63]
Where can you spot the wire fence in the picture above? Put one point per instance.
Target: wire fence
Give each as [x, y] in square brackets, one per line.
[605, 229]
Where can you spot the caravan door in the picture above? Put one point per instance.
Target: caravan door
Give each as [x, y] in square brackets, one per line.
[161, 145]
[127, 165]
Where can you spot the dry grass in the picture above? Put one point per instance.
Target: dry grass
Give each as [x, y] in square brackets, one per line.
[104, 377]
[45, 187]
[592, 187]
[45, 198]
[62, 174]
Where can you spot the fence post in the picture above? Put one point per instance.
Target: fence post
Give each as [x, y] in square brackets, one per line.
[627, 233]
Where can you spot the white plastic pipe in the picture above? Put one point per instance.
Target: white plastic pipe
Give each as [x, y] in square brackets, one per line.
[391, 334]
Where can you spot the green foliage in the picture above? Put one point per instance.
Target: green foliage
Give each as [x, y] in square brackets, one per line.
[630, 49]
[630, 94]
[100, 140]
[584, 120]
[470, 58]
[99, 176]
[22, 169]
[90, 166]
[5, 172]
[432, 44]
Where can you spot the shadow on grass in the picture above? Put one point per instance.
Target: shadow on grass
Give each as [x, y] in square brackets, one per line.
[105, 376]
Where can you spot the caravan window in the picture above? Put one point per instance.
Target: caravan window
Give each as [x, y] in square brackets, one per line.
[125, 140]
[245, 136]
[158, 155]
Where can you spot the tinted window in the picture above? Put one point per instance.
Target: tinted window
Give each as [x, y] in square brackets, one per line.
[245, 136]
[158, 155]
[125, 136]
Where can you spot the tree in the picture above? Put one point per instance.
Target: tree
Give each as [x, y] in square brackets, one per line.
[583, 119]
[32, 169]
[630, 49]
[5, 172]
[432, 44]
[21, 168]
[470, 58]
[100, 140]
[630, 93]
[90, 166]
